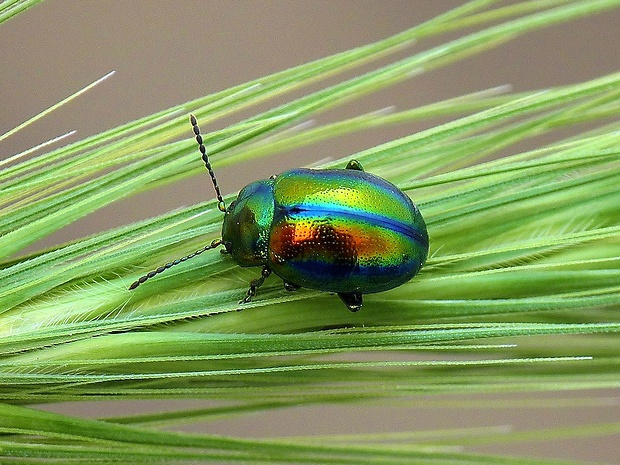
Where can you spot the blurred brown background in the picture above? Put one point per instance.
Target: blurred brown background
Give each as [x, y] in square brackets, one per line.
[166, 53]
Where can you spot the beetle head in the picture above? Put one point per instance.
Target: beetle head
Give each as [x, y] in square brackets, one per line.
[247, 222]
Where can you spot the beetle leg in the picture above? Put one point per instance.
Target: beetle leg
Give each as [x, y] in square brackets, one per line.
[255, 284]
[291, 286]
[355, 165]
[353, 300]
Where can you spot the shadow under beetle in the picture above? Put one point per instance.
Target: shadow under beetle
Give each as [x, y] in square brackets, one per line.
[335, 230]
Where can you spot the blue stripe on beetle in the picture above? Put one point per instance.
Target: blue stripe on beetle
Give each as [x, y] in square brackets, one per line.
[338, 230]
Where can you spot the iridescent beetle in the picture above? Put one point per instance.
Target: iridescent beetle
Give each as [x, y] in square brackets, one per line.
[338, 230]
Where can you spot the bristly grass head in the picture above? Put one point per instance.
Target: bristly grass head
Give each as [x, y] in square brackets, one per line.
[522, 245]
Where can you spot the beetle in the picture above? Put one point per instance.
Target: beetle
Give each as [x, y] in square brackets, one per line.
[343, 231]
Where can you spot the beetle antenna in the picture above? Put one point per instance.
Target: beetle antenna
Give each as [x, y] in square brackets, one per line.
[215, 243]
[220, 201]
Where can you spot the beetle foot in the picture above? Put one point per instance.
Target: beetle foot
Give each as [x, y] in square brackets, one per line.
[353, 300]
[255, 284]
[291, 286]
[355, 165]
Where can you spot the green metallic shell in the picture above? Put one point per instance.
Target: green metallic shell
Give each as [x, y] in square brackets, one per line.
[344, 231]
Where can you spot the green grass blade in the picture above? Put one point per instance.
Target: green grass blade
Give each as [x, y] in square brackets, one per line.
[11, 8]
[520, 292]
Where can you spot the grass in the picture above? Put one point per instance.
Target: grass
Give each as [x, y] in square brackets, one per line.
[520, 292]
